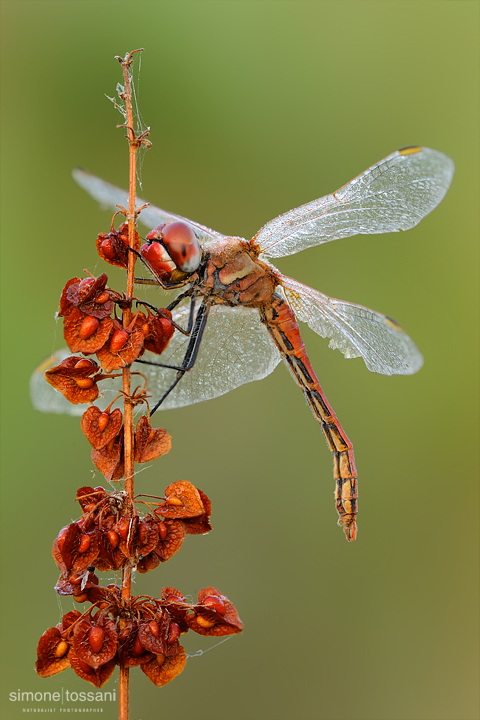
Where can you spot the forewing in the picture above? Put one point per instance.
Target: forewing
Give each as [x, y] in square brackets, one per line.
[355, 330]
[236, 349]
[395, 194]
[109, 196]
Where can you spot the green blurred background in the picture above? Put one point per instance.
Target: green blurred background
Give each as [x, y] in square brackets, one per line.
[256, 107]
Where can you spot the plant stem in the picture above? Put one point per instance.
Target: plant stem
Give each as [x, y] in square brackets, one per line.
[128, 406]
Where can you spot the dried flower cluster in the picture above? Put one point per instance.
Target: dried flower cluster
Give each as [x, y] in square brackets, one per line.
[112, 533]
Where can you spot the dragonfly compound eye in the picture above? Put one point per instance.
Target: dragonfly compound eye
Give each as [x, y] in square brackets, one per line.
[182, 246]
[157, 257]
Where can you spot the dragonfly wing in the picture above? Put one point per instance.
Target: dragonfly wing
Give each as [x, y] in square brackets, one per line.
[236, 349]
[109, 196]
[355, 330]
[395, 194]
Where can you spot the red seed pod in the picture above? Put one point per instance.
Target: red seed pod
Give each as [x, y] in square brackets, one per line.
[88, 327]
[138, 648]
[85, 284]
[143, 533]
[154, 629]
[162, 531]
[61, 649]
[160, 659]
[204, 622]
[119, 339]
[84, 363]
[123, 527]
[113, 538]
[76, 579]
[80, 598]
[212, 602]
[173, 633]
[103, 297]
[103, 421]
[61, 537]
[85, 542]
[108, 249]
[87, 669]
[174, 501]
[96, 636]
[84, 383]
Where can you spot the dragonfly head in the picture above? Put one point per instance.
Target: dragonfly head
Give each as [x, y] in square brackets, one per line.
[174, 245]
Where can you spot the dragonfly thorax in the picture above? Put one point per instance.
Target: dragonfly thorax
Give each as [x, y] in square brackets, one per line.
[235, 276]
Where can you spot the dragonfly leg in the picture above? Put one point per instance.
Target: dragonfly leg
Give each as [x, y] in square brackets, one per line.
[283, 327]
[191, 352]
[161, 311]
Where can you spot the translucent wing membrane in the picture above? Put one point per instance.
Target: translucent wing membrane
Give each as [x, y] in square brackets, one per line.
[109, 196]
[355, 330]
[45, 398]
[236, 349]
[395, 194]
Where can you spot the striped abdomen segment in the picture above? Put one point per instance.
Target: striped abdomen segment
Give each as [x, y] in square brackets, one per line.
[283, 327]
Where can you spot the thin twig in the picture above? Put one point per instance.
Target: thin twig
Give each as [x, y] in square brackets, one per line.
[133, 143]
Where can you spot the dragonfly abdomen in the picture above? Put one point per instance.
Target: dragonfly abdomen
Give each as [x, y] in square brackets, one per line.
[283, 327]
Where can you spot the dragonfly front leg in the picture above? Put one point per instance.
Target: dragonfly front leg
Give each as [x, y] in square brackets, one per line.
[283, 327]
[191, 352]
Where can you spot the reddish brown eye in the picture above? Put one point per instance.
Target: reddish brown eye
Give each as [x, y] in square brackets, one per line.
[182, 246]
[157, 258]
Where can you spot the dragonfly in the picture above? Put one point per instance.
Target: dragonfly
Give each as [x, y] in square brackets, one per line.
[247, 313]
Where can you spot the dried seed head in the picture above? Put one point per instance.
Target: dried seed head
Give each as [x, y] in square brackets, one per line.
[113, 538]
[88, 327]
[85, 542]
[154, 629]
[80, 598]
[123, 526]
[119, 339]
[103, 297]
[103, 421]
[138, 648]
[215, 603]
[84, 383]
[84, 363]
[204, 623]
[96, 636]
[61, 649]
[173, 633]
